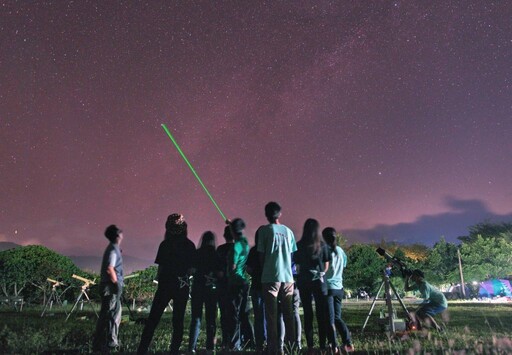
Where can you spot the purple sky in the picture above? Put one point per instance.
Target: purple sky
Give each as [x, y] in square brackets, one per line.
[382, 119]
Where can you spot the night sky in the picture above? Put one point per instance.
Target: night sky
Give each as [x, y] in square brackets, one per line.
[383, 119]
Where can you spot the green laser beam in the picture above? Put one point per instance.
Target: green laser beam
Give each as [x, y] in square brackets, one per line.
[193, 171]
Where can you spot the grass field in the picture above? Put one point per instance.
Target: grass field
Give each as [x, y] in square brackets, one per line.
[471, 328]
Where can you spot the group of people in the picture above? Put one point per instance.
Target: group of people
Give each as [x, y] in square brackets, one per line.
[276, 272]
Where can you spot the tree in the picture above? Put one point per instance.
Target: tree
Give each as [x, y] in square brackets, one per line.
[416, 252]
[488, 230]
[341, 240]
[32, 265]
[485, 258]
[441, 265]
[364, 268]
[142, 287]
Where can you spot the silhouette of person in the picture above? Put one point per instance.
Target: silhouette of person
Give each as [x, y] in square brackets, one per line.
[175, 260]
[111, 288]
[276, 243]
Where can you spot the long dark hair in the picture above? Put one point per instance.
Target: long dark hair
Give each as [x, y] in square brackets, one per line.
[311, 236]
[329, 235]
[207, 240]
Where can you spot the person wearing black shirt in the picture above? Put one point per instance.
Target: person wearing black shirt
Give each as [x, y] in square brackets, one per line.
[223, 296]
[312, 259]
[258, 304]
[174, 258]
[204, 291]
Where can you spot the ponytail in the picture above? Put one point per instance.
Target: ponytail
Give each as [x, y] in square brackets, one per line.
[329, 235]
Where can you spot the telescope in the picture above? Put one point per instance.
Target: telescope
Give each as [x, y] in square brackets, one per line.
[83, 279]
[55, 283]
[406, 272]
[55, 296]
[390, 321]
[83, 293]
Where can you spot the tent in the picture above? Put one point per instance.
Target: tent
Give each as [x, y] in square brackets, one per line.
[495, 288]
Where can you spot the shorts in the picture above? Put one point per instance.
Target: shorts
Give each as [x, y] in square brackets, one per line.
[430, 309]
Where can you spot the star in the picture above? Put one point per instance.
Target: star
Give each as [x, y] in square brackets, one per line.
[305, 112]
[318, 275]
[184, 281]
[210, 280]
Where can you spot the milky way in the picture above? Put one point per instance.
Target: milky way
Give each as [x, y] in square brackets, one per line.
[364, 115]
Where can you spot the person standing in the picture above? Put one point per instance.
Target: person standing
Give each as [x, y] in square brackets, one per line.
[334, 277]
[296, 313]
[223, 296]
[175, 260]
[239, 288]
[254, 269]
[276, 243]
[313, 258]
[204, 292]
[111, 288]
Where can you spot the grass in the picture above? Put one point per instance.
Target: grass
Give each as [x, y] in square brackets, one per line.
[471, 328]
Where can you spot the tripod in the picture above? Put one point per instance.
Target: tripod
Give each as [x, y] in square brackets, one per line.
[54, 297]
[388, 287]
[83, 293]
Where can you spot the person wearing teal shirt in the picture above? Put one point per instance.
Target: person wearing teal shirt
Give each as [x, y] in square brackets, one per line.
[276, 243]
[238, 258]
[238, 282]
[434, 300]
[334, 278]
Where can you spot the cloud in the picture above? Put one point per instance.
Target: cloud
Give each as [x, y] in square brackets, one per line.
[428, 229]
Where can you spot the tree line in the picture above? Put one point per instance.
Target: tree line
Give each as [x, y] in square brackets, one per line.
[486, 253]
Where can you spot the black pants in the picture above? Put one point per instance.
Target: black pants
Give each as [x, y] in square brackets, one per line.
[164, 294]
[334, 299]
[260, 323]
[107, 327]
[207, 296]
[248, 338]
[307, 293]
[240, 329]
[225, 307]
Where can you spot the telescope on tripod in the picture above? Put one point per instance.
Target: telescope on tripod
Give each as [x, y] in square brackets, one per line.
[55, 296]
[83, 293]
[390, 319]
